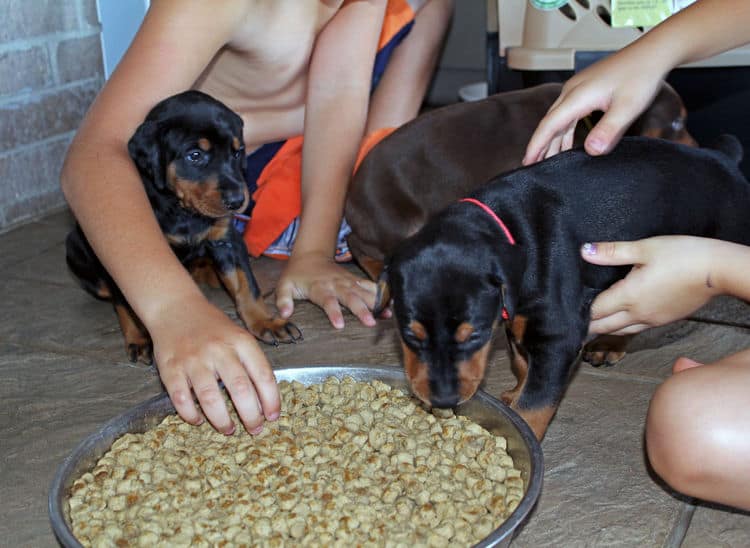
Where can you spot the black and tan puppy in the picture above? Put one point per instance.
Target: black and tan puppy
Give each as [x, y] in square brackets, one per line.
[190, 154]
[446, 153]
[510, 255]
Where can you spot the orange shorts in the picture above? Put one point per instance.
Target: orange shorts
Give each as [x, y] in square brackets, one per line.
[274, 172]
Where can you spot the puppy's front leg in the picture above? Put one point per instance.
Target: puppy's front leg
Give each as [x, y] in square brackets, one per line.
[542, 362]
[233, 267]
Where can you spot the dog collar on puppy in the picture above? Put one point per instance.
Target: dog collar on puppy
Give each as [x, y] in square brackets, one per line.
[492, 214]
[504, 228]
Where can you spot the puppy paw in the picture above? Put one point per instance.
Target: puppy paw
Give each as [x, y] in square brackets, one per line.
[141, 351]
[274, 331]
[508, 396]
[606, 358]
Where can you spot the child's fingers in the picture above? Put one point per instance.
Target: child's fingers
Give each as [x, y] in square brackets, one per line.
[211, 400]
[180, 394]
[619, 323]
[612, 253]
[243, 395]
[554, 147]
[607, 132]
[562, 115]
[285, 299]
[357, 305]
[567, 140]
[264, 381]
[332, 308]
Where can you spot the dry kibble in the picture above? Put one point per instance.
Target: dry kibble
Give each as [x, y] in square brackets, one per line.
[347, 463]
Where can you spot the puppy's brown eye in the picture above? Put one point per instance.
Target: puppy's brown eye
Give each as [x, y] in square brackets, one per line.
[678, 124]
[239, 153]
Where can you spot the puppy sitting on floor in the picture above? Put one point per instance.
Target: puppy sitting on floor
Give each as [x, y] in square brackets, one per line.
[509, 254]
[190, 154]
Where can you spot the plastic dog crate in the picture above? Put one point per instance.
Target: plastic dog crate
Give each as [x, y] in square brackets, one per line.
[527, 46]
[571, 37]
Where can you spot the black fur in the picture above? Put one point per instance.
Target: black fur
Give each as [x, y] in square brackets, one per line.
[461, 268]
[189, 152]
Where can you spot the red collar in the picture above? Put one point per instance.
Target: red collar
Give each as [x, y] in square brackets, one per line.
[502, 226]
[492, 214]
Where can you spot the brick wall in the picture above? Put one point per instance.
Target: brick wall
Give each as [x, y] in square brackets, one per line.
[50, 72]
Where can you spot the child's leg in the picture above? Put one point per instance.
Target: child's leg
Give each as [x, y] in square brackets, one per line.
[399, 94]
[696, 431]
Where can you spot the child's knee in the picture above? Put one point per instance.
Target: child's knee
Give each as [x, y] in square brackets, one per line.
[674, 426]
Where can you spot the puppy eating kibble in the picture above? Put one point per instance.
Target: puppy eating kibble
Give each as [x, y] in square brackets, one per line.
[509, 254]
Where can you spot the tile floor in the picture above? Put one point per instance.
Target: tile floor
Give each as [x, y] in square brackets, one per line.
[63, 372]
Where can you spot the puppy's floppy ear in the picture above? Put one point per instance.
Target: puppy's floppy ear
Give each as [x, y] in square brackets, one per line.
[383, 296]
[145, 152]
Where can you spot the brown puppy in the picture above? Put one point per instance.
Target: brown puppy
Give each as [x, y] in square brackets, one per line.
[445, 154]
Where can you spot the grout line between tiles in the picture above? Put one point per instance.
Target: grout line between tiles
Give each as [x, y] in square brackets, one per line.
[681, 526]
[643, 379]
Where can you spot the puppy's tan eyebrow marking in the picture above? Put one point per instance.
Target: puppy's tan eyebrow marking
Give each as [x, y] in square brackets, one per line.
[236, 145]
[204, 144]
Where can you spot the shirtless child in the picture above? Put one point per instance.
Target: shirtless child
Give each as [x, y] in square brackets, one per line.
[289, 68]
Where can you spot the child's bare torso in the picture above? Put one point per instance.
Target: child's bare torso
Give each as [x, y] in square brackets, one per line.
[261, 72]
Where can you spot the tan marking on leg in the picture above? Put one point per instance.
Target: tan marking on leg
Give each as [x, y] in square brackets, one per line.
[372, 267]
[254, 312]
[518, 362]
[137, 339]
[418, 329]
[204, 273]
[383, 297]
[537, 419]
[520, 367]
[518, 327]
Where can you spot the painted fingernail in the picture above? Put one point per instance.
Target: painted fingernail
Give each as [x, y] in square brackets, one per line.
[588, 248]
[595, 145]
[230, 430]
[273, 416]
[257, 430]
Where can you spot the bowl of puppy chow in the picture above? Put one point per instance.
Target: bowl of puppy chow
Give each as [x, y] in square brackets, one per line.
[353, 460]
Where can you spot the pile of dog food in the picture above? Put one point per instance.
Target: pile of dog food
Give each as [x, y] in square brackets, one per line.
[346, 463]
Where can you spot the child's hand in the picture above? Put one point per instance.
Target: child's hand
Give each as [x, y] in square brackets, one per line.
[672, 277]
[620, 86]
[197, 346]
[318, 278]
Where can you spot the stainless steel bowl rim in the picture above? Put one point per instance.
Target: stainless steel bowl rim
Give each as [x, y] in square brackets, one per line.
[160, 406]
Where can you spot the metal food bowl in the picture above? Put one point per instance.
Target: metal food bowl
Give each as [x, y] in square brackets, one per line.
[483, 409]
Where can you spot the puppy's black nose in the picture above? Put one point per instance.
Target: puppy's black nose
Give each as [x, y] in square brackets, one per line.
[234, 202]
[444, 401]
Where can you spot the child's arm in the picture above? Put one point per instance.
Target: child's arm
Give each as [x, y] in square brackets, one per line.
[625, 83]
[335, 117]
[194, 342]
[672, 277]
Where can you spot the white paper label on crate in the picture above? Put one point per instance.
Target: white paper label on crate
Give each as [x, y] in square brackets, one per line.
[548, 4]
[644, 13]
